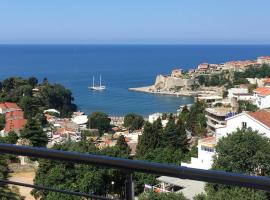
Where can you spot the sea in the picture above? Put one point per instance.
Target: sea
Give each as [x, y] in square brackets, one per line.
[121, 67]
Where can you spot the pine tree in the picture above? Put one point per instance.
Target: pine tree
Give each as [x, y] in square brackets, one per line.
[157, 132]
[184, 114]
[6, 193]
[150, 138]
[133, 121]
[122, 145]
[169, 134]
[34, 132]
[181, 136]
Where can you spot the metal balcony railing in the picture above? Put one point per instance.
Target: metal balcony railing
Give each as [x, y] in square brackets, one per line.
[129, 167]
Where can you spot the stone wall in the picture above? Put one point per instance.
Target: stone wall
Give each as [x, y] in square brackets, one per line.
[168, 82]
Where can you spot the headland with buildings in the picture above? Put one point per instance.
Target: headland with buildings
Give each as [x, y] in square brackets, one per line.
[181, 83]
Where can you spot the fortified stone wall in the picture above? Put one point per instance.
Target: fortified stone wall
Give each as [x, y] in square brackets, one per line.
[168, 82]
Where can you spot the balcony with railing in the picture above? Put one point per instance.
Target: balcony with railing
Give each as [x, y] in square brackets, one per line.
[129, 167]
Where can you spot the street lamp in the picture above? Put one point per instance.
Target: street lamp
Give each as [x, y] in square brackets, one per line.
[112, 188]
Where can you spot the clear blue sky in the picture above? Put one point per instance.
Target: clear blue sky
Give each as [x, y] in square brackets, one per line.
[135, 21]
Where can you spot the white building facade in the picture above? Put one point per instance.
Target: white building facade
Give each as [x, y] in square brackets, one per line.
[259, 121]
[261, 97]
[154, 117]
[206, 151]
[256, 120]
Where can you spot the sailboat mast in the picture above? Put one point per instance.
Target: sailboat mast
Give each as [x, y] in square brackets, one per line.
[99, 80]
[93, 81]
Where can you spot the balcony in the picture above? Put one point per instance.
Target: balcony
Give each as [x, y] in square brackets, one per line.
[129, 167]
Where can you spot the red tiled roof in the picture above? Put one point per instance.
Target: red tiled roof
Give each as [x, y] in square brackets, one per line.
[17, 124]
[241, 63]
[12, 105]
[267, 80]
[14, 114]
[60, 131]
[263, 91]
[9, 105]
[3, 106]
[262, 116]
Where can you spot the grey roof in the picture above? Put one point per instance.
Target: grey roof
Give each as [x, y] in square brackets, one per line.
[190, 187]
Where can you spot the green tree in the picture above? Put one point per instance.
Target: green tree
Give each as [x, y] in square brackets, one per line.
[150, 139]
[159, 155]
[250, 146]
[100, 121]
[202, 80]
[246, 106]
[174, 135]
[233, 194]
[251, 72]
[32, 106]
[243, 151]
[34, 132]
[58, 97]
[2, 121]
[33, 81]
[122, 145]
[6, 192]
[196, 120]
[181, 136]
[252, 87]
[169, 134]
[184, 114]
[79, 177]
[158, 145]
[133, 121]
[11, 138]
[214, 81]
[19, 90]
[164, 155]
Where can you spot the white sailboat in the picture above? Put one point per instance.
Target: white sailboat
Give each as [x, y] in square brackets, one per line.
[98, 88]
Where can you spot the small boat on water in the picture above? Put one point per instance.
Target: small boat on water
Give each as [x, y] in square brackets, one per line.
[97, 88]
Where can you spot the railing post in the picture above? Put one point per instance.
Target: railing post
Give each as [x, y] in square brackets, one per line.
[129, 187]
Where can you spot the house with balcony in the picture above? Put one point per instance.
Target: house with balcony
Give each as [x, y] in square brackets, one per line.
[216, 118]
[239, 94]
[209, 99]
[206, 151]
[259, 121]
[261, 97]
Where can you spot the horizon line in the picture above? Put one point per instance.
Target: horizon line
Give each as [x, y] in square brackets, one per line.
[171, 44]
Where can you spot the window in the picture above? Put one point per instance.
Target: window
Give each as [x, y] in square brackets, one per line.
[209, 149]
[244, 125]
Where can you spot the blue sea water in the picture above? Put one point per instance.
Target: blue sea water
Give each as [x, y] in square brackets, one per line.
[121, 67]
